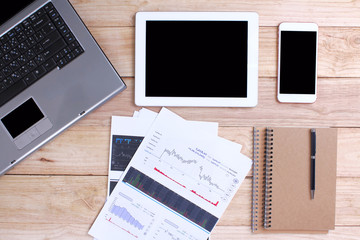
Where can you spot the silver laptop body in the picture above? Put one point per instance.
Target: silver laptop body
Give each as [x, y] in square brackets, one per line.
[58, 99]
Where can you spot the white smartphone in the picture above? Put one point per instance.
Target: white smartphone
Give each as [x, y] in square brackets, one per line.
[297, 66]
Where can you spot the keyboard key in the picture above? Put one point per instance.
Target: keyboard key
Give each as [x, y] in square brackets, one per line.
[69, 38]
[23, 47]
[64, 30]
[30, 54]
[48, 7]
[26, 23]
[4, 38]
[21, 37]
[11, 92]
[40, 22]
[38, 36]
[6, 71]
[50, 64]
[40, 71]
[30, 42]
[22, 60]
[24, 70]
[61, 63]
[31, 65]
[58, 21]
[65, 51]
[73, 45]
[48, 28]
[14, 65]
[69, 56]
[53, 13]
[39, 59]
[13, 42]
[2, 87]
[29, 31]
[7, 58]
[33, 17]
[77, 51]
[5, 47]
[58, 56]
[14, 53]
[8, 82]
[38, 48]
[30, 78]
[18, 28]
[40, 12]
[54, 48]
[11, 33]
[16, 76]
[49, 39]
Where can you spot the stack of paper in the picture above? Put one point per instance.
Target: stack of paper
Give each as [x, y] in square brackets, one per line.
[180, 179]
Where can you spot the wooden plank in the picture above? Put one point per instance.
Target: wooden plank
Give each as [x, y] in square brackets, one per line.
[19, 231]
[36, 231]
[242, 232]
[85, 151]
[324, 13]
[330, 109]
[60, 199]
[51, 199]
[339, 50]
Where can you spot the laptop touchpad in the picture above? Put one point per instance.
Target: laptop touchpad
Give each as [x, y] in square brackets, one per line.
[26, 123]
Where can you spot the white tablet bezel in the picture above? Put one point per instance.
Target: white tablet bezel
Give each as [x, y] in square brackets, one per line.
[253, 48]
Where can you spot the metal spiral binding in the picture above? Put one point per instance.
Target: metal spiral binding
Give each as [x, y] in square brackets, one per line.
[268, 176]
[255, 188]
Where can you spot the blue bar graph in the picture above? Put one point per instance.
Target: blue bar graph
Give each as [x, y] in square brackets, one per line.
[124, 214]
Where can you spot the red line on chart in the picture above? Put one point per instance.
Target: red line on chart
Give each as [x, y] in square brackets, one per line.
[215, 204]
[168, 177]
[122, 228]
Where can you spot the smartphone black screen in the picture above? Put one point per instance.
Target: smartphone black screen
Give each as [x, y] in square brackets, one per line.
[298, 62]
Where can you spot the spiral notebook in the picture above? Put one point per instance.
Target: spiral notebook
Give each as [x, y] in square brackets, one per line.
[281, 183]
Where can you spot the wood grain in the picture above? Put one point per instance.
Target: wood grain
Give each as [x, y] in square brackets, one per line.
[324, 12]
[331, 109]
[338, 50]
[85, 151]
[45, 231]
[78, 199]
[242, 232]
[68, 231]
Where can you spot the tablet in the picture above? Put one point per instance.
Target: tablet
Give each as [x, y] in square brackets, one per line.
[196, 59]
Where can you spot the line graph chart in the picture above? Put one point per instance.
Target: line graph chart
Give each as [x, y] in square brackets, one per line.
[124, 214]
[130, 216]
[123, 149]
[186, 165]
[173, 153]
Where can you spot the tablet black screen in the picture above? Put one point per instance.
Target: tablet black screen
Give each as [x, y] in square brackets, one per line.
[196, 58]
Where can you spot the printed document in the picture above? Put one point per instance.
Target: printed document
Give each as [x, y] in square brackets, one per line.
[177, 185]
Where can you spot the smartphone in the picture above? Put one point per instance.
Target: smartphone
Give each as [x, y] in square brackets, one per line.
[297, 66]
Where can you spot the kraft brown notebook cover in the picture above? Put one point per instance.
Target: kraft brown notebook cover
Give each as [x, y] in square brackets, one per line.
[281, 182]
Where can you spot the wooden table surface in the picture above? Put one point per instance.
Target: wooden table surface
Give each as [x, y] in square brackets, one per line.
[57, 192]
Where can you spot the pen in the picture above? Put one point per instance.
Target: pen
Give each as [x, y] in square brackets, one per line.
[312, 159]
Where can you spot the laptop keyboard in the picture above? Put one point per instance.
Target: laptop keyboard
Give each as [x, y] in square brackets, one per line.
[37, 45]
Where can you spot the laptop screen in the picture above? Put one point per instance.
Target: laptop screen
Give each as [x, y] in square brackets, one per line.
[12, 8]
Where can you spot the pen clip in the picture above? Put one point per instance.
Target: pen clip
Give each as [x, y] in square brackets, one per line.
[313, 142]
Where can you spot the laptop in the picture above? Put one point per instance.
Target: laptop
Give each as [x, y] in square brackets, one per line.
[52, 73]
